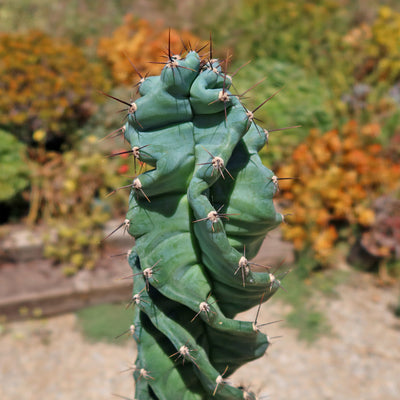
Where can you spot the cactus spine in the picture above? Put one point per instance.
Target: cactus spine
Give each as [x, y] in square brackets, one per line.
[196, 216]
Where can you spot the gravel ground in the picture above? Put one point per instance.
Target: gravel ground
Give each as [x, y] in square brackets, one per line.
[49, 359]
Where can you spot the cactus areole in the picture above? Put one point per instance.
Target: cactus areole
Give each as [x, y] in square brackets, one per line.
[203, 206]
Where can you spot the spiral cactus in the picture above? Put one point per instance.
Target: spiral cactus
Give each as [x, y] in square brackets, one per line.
[197, 218]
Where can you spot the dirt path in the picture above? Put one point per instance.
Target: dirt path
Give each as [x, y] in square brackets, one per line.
[360, 360]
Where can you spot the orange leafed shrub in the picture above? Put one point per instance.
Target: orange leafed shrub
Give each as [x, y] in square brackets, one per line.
[143, 43]
[46, 84]
[340, 173]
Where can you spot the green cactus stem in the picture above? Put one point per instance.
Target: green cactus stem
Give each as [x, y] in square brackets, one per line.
[203, 206]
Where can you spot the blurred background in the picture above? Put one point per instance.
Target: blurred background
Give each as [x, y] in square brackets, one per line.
[337, 63]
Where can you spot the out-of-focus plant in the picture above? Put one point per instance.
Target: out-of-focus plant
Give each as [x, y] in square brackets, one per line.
[343, 46]
[80, 21]
[67, 192]
[139, 40]
[382, 49]
[76, 243]
[376, 68]
[308, 34]
[340, 173]
[382, 239]
[13, 169]
[47, 84]
[298, 89]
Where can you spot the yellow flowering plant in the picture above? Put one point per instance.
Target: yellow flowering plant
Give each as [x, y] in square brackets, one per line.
[84, 178]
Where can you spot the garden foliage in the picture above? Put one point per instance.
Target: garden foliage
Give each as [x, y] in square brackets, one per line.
[339, 174]
[67, 192]
[143, 42]
[14, 173]
[333, 63]
[47, 84]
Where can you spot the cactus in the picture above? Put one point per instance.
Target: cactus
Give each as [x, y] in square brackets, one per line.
[198, 214]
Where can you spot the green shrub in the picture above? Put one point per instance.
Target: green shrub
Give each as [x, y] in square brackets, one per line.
[305, 100]
[14, 173]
